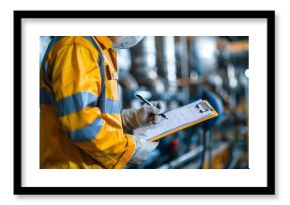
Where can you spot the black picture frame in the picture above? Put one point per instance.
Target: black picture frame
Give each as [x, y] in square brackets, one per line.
[268, 190]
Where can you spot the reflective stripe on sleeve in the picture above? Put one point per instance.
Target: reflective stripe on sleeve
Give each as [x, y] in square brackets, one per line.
[87, 133]
[109, 106]
[79, 101]
[76, 102]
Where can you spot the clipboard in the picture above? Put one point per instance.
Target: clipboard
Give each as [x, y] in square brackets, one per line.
[178, 119]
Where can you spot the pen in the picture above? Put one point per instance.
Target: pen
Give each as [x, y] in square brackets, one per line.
[149, 103]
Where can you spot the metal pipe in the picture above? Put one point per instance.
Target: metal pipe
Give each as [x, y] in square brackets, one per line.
[203, 144]
[145, 65]
[184, 158]
[166, 61]
[184, 65]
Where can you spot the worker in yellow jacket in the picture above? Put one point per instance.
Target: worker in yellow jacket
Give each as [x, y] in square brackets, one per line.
[81, 125]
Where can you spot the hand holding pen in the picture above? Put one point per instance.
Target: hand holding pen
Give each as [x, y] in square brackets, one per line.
[150, 104]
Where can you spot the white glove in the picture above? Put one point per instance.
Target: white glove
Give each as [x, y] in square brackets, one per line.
[133, 118]
[143, 149]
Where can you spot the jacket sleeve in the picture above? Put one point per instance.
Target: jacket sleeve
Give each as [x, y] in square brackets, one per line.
[76, 82]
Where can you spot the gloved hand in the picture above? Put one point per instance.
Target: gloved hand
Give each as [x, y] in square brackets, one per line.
[133, 118]
[143, 149]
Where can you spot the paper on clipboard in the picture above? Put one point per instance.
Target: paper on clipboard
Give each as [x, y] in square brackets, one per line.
[178, 119]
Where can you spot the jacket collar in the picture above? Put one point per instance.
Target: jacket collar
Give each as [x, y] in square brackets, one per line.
[104, 41]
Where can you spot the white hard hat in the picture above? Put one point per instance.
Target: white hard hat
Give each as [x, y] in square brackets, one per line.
[125, 41]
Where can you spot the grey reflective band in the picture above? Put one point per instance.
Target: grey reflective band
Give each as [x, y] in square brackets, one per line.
[87, 133]
[79, 101]
[46, 97]
[109, 106]
[76, 102]
[100, 63]
[44, 64]
[106, 105]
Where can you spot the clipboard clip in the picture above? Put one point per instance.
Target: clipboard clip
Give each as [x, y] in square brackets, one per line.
[203, 107]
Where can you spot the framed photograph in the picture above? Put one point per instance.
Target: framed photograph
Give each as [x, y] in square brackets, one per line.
[184, 107]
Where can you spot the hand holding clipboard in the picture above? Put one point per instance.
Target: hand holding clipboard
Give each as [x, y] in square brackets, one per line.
[179, 119]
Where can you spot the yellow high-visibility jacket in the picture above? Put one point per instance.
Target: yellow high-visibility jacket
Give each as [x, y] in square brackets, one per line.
[80, 122]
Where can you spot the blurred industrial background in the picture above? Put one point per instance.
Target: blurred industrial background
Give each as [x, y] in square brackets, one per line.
[178, 71]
